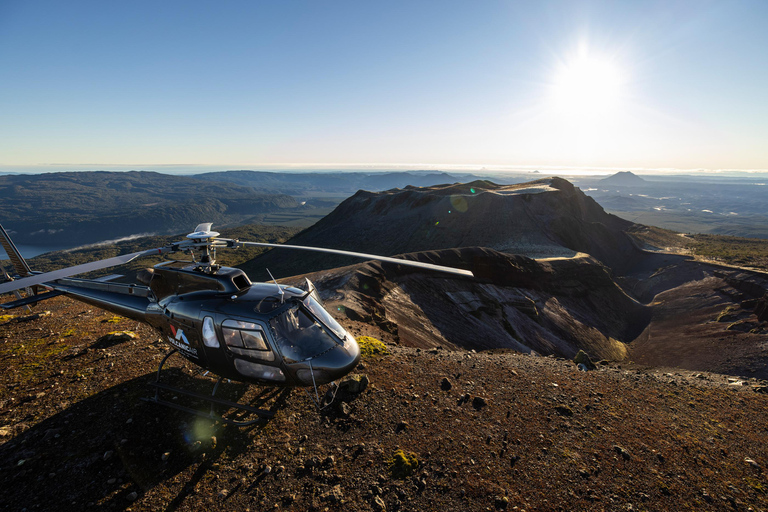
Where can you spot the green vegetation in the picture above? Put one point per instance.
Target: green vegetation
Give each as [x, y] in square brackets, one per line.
[727, 315]
[372, 347]
[6, 318]
[34, 355]
[729, 250]
[732, 250]
[403, 464]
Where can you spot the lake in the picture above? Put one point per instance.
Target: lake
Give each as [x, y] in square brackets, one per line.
[30, 251]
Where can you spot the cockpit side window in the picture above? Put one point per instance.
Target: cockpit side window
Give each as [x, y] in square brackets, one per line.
[241, 281]
[246, 338]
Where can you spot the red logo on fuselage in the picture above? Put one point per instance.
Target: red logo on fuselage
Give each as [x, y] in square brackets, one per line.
[179, 335]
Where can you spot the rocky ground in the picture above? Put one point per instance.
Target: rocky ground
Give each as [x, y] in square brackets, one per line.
[433, 430]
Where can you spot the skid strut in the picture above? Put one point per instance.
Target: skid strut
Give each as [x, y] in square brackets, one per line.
[213, 400]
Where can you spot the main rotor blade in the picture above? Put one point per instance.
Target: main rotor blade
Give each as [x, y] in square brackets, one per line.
[419, 264]
[77, 269]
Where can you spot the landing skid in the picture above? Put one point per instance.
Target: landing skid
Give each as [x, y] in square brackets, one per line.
[213, 400]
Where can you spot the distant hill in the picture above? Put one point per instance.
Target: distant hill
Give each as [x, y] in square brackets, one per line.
[624, 178]
[548, 217]
[342, 183]
[72, 208]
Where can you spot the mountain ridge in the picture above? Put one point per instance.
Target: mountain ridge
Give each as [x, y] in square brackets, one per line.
[548, 217]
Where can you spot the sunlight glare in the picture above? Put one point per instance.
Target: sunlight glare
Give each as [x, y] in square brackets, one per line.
[586, 87]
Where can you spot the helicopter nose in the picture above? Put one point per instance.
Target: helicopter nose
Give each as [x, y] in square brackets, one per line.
[332, 365]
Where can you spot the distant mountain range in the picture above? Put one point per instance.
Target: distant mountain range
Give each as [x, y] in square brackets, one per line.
[85, 207]
[344, 183]
[75, 208]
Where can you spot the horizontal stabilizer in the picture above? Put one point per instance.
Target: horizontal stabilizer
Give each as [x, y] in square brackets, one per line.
[32, 299]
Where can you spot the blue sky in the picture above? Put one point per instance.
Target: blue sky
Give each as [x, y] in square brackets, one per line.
[301, 84]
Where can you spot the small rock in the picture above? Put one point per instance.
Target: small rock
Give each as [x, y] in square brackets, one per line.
[583, 358]
[479, 402]
[108, 455]
[446, 384]
[354, 383]
[116, 337]
[213, 441]
[752, 463]
[401, 426]
[329, 461]
[165, 456]
[564, 410]
[378, 504]
[344, 409]
[334, 495]
[501, 503]
[132, 496]
[621, 451]
[111, 481]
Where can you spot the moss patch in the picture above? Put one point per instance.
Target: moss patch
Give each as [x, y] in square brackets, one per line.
[372, 347]
[403, 464]
[727, 315]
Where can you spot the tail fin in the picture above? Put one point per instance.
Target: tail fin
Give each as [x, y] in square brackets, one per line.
[22, 269]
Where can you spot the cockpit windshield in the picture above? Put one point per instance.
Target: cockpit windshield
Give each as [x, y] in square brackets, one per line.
[319, 312]
[300, 335]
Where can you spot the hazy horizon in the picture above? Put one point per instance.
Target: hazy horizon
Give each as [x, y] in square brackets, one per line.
[192, 169]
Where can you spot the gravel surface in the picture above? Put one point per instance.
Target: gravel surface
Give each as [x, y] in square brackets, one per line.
[434, 429]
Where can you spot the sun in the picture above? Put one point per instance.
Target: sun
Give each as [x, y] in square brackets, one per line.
[586, 87]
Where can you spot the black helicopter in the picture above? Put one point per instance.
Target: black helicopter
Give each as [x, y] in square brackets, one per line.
[214, 316]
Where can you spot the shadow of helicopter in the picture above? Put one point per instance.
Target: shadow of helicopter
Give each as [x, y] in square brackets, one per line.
[110, 448]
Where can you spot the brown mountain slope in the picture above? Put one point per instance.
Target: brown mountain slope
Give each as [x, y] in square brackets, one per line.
[511, 431]
[542, 218]
[555, 306]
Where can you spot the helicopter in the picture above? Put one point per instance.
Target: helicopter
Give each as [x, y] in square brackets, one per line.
[214, 316]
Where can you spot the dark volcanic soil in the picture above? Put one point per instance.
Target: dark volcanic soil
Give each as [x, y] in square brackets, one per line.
[513, 431]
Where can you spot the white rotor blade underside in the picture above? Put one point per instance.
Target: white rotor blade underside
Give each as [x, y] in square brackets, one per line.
[78, 269]
[418, 264]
